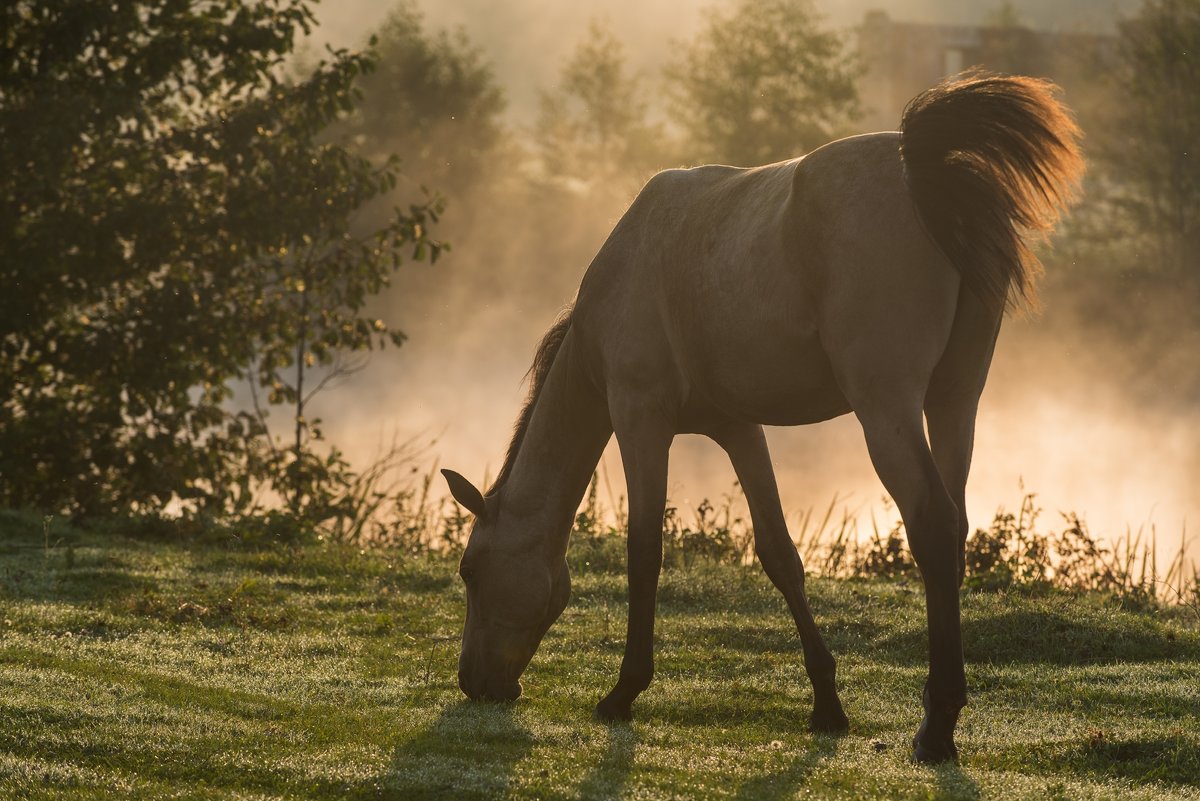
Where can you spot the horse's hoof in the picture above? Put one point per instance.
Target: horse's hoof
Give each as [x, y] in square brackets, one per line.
[610, 711]
[934, 754]
[831, 720]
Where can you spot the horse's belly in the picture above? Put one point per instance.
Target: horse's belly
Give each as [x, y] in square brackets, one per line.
[783, 383]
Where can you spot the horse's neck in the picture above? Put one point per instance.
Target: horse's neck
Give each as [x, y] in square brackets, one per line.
[558, 455]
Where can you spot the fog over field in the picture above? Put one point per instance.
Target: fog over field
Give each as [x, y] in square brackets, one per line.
[527, 39]
[1093, 419]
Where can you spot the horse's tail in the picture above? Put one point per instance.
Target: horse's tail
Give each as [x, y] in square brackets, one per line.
[991, 159]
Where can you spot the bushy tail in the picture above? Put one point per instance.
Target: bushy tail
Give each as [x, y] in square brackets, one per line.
[991, 160]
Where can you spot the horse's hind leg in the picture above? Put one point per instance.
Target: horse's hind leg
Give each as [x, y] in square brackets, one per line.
[952, 400]
[645, 444]
[747, 449]
[952, 436]
[902, 458]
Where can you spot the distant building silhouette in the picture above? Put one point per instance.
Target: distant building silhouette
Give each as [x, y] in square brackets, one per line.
[903, 58]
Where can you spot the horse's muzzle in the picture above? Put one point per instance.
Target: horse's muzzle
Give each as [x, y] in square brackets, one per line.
[480, 689]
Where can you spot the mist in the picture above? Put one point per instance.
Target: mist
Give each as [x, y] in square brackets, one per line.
[1091, 405]
[527, 40]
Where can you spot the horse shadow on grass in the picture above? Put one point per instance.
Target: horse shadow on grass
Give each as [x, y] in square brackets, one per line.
[1026, 636]
[1172, 759]
[30, 572]
[787, 781]
[470, 751]
[608, 777]
[954, 785]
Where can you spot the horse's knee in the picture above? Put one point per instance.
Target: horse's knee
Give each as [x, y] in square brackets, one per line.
[778, 552]
[784, 568]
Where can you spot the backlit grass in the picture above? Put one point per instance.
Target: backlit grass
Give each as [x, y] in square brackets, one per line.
[134, 669]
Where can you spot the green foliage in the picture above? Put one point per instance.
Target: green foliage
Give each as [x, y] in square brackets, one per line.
[171, 222]
[593, 128]
[1014, 552]
[597, 542]
[887, 557]
[762, 82]
[1147, 139]
[1009, 551]
[716, 535]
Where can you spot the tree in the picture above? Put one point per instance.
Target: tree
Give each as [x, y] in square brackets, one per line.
[593, 128]
[1003, 15]
[431, 97]
[1150, 144]
[1010, 46]
[171, 221]
[763, 82]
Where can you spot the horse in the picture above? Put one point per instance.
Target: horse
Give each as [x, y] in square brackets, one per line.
[869, 276]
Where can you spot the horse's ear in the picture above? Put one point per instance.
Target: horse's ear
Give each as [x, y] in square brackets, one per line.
[465, 493]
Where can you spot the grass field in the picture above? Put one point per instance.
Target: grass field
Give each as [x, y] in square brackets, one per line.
[136, 669]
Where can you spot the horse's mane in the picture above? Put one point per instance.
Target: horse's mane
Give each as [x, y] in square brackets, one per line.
[543, 360]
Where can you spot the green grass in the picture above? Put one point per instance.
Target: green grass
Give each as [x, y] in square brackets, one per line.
[135, 669]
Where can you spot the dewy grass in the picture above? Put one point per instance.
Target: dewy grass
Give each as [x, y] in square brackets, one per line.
[152, 670]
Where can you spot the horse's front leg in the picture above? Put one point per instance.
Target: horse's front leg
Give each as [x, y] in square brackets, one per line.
[747, 448]
[644, 452]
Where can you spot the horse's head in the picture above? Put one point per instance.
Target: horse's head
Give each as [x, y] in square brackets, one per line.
[516, 588]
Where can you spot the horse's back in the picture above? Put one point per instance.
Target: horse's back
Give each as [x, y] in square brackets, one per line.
[745, 290]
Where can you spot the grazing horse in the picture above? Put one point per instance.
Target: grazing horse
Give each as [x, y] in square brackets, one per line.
[869, 276]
